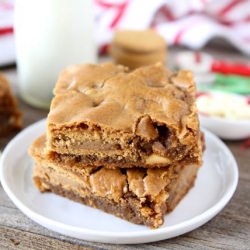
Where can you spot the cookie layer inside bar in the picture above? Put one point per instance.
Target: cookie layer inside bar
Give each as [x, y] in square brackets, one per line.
[152, 144]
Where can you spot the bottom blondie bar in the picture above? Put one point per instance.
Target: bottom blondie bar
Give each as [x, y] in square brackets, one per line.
[139, 195]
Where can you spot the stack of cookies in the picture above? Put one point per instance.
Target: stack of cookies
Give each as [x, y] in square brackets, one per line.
[137, 48]
[127, 143]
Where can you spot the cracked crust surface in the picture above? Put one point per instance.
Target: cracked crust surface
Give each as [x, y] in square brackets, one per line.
[108, 95]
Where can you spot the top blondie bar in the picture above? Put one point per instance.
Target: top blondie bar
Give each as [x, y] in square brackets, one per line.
[105, 115]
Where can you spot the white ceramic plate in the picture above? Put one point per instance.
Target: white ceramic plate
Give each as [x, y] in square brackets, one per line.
[215, 185]
[226, 128]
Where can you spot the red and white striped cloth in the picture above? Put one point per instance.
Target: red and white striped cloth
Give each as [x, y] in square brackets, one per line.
[7, 48]
[184, 22]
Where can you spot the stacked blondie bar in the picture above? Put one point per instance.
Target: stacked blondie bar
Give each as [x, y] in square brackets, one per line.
[125, 142]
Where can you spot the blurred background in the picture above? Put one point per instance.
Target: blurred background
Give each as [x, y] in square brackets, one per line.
[193, 24]
[209, 37]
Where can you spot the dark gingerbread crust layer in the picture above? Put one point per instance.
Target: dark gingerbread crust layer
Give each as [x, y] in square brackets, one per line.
[122, 211]
[127, 211]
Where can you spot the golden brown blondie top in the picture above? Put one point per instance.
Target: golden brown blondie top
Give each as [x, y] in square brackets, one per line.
[111, 97]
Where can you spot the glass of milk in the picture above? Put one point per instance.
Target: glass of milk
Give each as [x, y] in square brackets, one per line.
[50, 35]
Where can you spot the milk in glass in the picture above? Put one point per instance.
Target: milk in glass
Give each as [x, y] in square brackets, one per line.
[50, 35]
